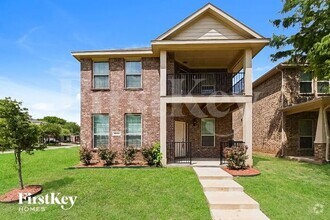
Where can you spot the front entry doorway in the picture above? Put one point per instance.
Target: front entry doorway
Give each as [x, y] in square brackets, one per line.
[180, 139]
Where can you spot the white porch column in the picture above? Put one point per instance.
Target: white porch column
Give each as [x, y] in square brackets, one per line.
[247, 66]
[247, 130]
[163, 130]
[320, 136]
[163, 73]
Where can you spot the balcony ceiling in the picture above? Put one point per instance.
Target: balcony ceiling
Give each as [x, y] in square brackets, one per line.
[215, 59]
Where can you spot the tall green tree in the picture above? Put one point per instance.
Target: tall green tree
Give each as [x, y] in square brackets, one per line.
[17, 133]
[310, 43]
[73, 127]
[50, 130]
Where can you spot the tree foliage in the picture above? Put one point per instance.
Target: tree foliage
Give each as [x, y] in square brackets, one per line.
[311, 42]
[54, 120]
[17, 133]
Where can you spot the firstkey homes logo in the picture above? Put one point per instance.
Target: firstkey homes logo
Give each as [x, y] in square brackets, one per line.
[38, 203]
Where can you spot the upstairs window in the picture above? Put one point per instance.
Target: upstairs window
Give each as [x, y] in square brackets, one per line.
[322, 85]
[101, 75]
[133, 72]
[100, 131]
[306, 82]
[133, 130]
[208, 132]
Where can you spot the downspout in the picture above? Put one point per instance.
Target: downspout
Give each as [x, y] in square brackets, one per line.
[282, 106]
[326, 133]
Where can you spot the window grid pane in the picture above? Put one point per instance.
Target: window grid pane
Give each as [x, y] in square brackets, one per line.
[323, 87]
[306, 128]
[305, 87]
[101, 68]
[101, 141]
[133, 130]
[101, 82]
[101, 124]
[133, 67]
[208, 127]
[207, 141]
[133, 81]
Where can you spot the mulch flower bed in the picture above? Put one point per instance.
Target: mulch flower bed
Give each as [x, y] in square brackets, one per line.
[13, 195]
[115, 165]
[243, 172]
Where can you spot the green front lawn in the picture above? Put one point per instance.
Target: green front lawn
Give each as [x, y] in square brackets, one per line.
[148, 193]
[290, 190]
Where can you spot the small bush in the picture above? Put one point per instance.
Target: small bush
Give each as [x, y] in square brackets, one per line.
[129, 154]
[152, 155]
[86, 155]
[236, 157]
[107, 155]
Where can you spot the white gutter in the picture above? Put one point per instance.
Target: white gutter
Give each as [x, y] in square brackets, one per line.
[326, 133]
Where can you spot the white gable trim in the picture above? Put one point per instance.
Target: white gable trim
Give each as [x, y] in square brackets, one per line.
[221, 14]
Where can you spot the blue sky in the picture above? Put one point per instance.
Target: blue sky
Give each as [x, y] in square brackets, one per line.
[36, 38]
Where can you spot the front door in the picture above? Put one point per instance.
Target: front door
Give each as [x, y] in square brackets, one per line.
[180, 139]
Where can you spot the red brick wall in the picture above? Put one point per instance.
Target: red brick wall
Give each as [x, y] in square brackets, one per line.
[117, 102]
[223, 132]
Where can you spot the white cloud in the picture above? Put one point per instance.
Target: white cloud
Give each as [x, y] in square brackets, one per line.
[23, 40]
[43, 102]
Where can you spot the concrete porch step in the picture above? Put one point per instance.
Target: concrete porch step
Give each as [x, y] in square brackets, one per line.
[238, 214]
[230, 200]
[212, 173]
[220, 185]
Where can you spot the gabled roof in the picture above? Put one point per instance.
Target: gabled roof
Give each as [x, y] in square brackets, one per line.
[209, 8]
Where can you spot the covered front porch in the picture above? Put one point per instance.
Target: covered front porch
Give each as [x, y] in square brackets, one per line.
[197, 132]
[306, 130]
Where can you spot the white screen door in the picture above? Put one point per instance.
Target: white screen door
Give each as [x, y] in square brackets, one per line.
[180, 136]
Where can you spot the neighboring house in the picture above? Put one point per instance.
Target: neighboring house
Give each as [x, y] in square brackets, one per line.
[289, 113]
[181, 91]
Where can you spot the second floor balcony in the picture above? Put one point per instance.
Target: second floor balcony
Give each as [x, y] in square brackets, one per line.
[205, 84]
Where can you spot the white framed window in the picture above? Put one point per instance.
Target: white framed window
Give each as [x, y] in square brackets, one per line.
[100, 131]
[323, 85]
[208, 132]
[306, 134]
[133, 74]
[306, 83]
[133, 130]
[101, 75]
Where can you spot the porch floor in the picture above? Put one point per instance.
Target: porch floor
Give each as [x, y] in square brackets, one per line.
[201, 162]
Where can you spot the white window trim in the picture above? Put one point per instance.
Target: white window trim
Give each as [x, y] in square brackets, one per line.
[312, 85]
[140, 74]
[101, 134]
[208, 135]
[108, 75]
[134, 133]
[312, 136]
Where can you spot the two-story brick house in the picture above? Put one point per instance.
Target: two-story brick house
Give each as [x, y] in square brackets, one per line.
[181, 91]
[290, 113]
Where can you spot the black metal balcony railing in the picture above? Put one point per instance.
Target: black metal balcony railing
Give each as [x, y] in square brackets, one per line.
[179, 152]
[205, 84]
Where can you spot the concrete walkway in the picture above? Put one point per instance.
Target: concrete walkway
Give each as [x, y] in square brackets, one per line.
[226, 197]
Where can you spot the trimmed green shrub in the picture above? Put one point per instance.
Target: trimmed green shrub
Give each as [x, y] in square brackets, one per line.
[86, 155]
[107, 155]
[129, 154]
[236, 157]
[152, 155]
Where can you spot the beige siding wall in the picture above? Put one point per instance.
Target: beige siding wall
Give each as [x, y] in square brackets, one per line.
[207, 27]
